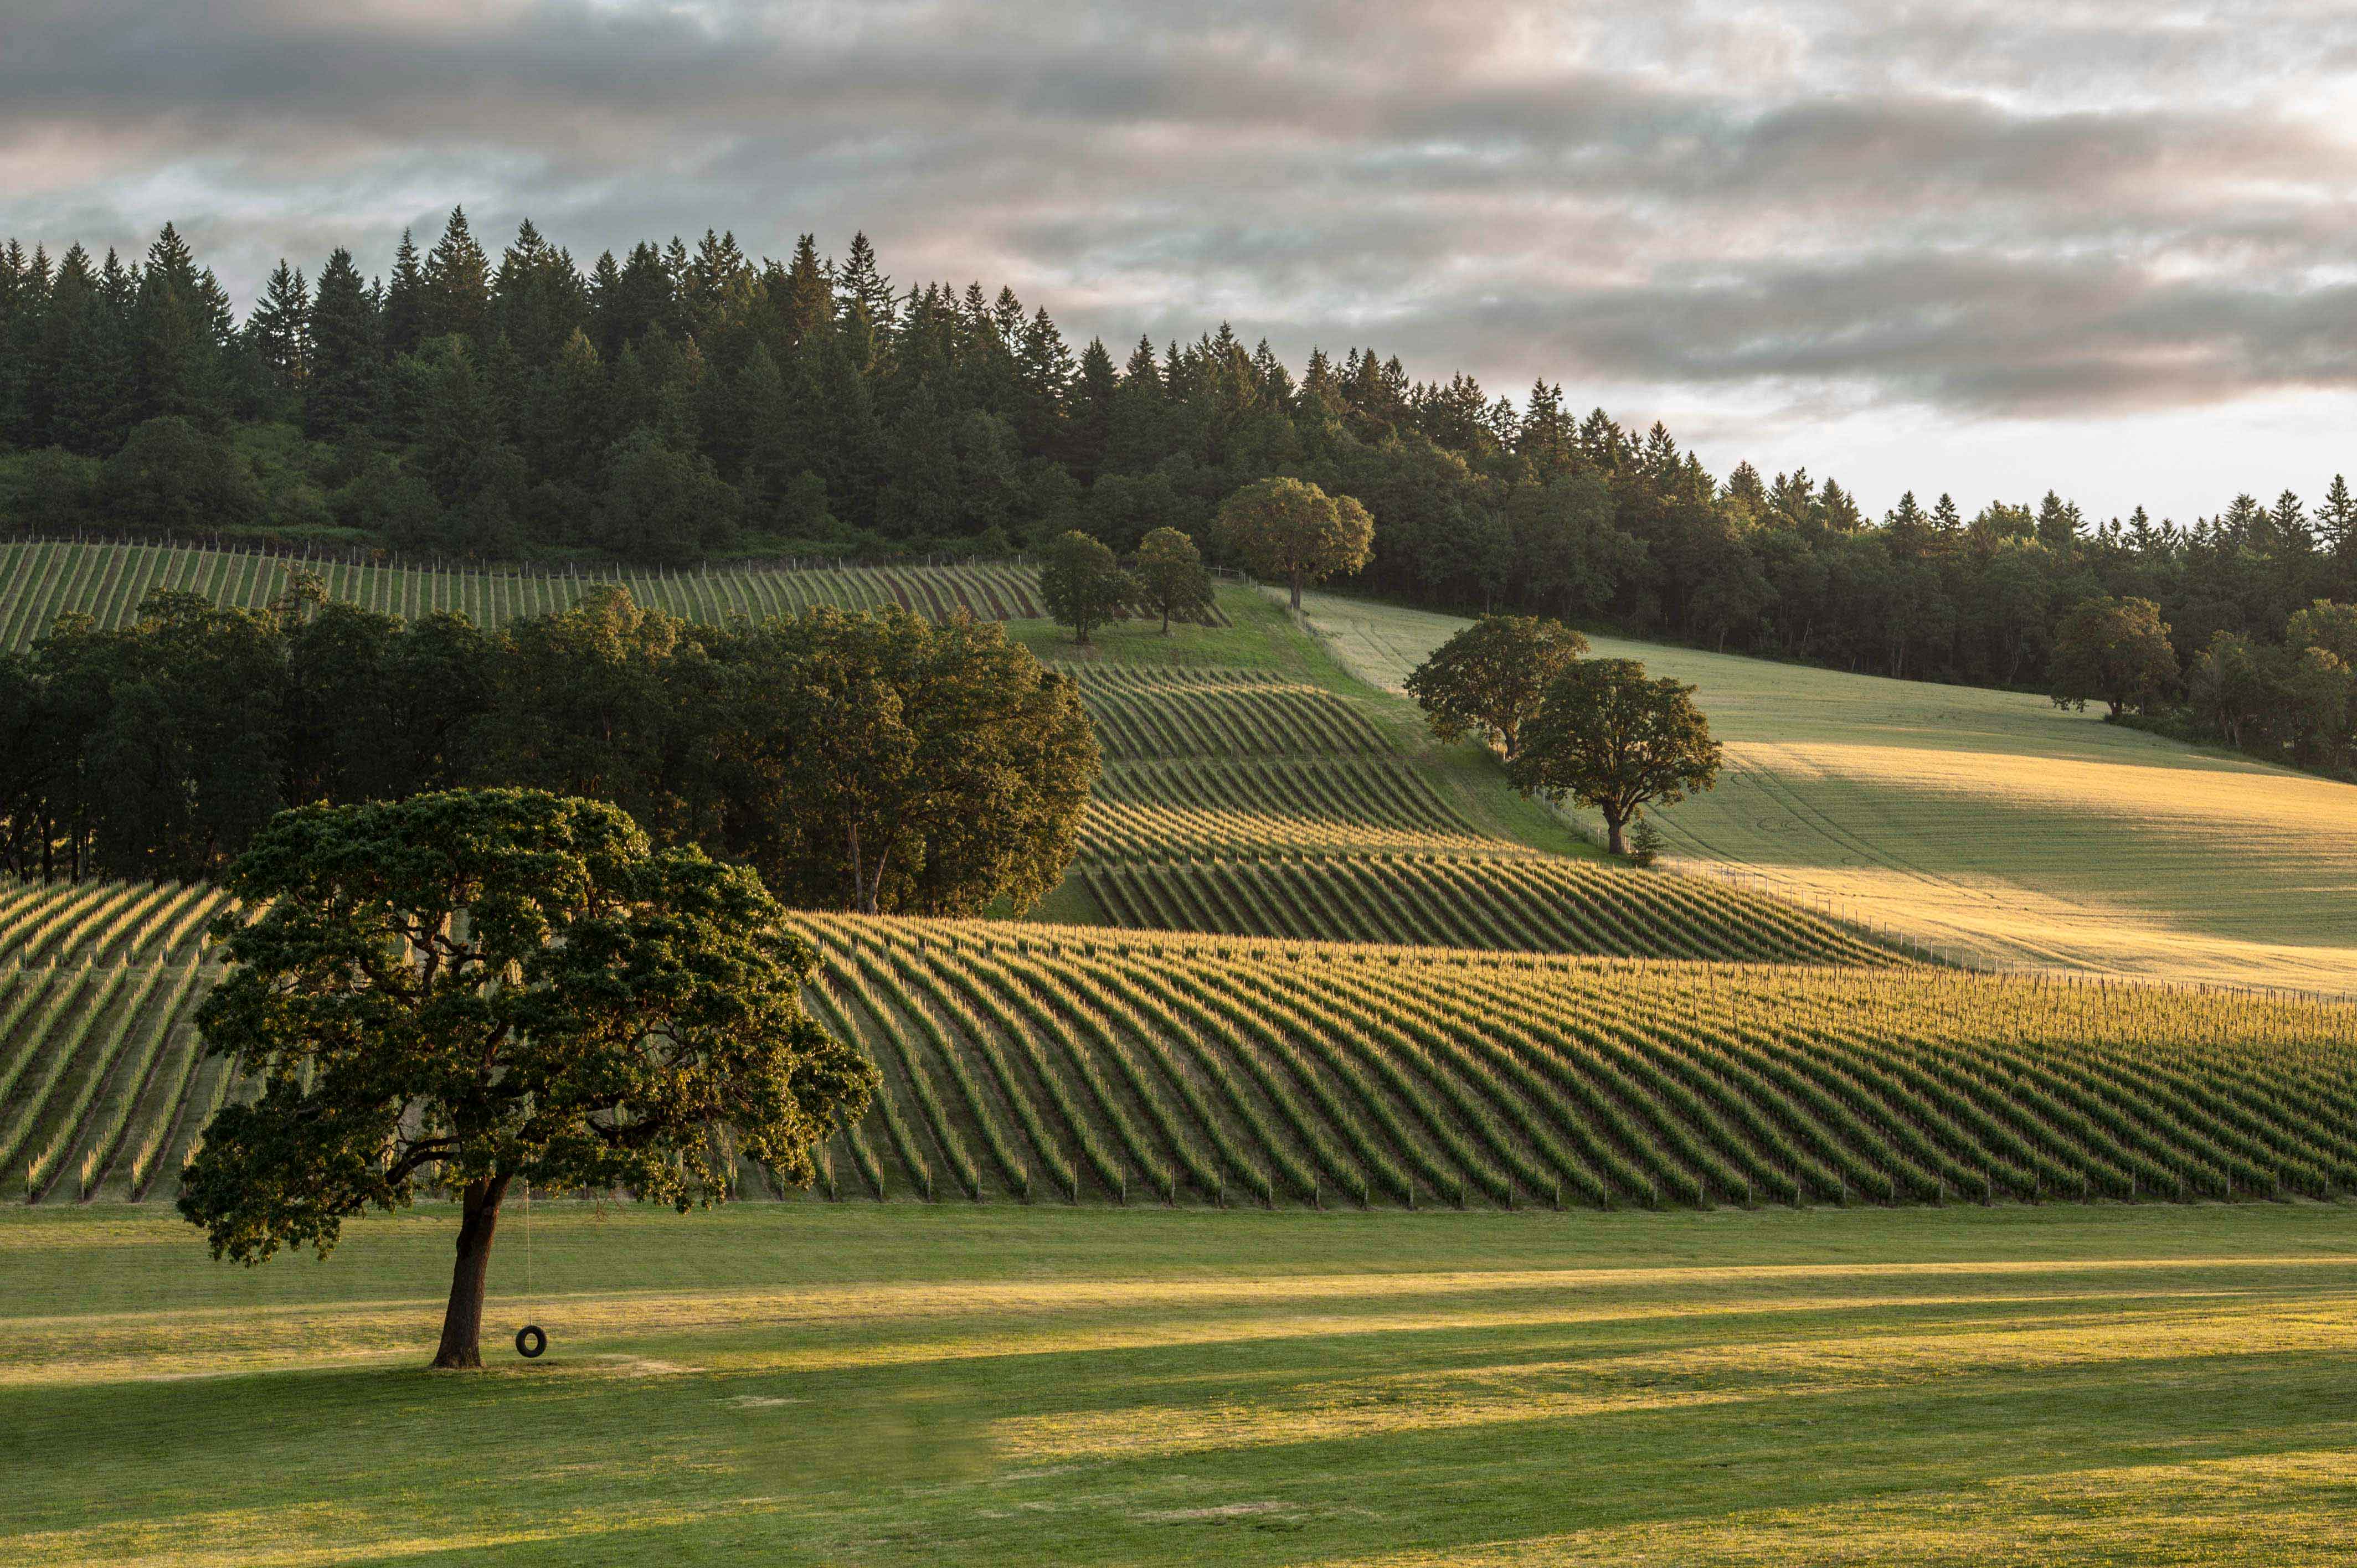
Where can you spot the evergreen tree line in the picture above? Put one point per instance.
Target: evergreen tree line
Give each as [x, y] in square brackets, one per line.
[871, 761]
[680, 402]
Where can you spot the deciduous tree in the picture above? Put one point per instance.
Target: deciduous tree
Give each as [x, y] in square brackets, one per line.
[1171, 575]
[1082, 584]
[1488, 679]
[479, 988]
[1607, 738]
[2116, 650]
[1292, 531]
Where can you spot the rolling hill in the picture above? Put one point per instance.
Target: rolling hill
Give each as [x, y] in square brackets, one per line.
[1987, 822]
[1046, 1063]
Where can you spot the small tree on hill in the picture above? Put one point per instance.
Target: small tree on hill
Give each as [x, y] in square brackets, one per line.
[1610, 739]
[1171, 575]
[2116, 650]
[1487, 680]
[1292, 531]
[1082, 584]
[492, 985]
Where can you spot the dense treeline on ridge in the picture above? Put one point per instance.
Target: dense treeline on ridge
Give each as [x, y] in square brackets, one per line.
[679, 402]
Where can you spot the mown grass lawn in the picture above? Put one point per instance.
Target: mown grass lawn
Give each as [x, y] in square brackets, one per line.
[903, 1384]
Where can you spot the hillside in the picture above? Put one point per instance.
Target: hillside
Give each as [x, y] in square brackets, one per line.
[1053, 1064]
[42, 580]
[1253, 787]
[1987, 822]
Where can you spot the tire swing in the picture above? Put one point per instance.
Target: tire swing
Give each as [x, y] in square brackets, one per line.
[531, 1340]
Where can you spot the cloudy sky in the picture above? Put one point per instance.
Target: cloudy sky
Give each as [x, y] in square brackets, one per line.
[1979, 247]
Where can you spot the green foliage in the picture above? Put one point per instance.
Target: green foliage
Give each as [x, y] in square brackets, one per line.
[1082, 584]
[1610, 739]
[887, 764]
[1488, 679]
[1645, 843]
[172, 476]
[1171, 575]
[1292, 531]
[495, 986]
[2116, 650]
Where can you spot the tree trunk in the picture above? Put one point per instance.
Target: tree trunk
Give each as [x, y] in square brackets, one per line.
[1296, 592]
[1612, 823]
[462, 1321]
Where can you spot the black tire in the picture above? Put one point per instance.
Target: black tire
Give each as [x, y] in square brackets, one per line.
[531, 1341]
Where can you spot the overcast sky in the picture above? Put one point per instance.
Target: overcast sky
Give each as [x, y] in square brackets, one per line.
[1984, 248]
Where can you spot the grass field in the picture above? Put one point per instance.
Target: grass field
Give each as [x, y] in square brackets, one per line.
[1986, 821]
[42, 580]
[849, 1384]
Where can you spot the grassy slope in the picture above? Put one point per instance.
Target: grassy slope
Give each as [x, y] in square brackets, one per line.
[1989, 820]
[1261, 637]
[805, 1384]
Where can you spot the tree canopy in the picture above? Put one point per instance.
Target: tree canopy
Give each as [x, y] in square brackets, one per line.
[1170, 576]
[1292, 531]
[2116, 650]
[478, 988]
[1081, 582]
[1488, 679]
[1610, 739]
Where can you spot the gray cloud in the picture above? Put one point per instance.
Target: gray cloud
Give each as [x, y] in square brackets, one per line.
[1993, 209]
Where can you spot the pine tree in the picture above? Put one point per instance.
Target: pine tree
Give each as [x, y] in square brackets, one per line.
[405, 301]
[457, 298]
[1089, 424]
[280, 331]
[175, 361]
[538, 298]
[861, 288]
[347, 358]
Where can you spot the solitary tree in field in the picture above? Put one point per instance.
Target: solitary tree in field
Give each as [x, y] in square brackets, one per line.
[1171, 575]
[1082, 584]
[1487, 680]
[1290, 529]
[2116, 650]
[1610, 739]
[483, 986]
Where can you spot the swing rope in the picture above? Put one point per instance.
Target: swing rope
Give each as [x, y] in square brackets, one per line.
[531, 1339]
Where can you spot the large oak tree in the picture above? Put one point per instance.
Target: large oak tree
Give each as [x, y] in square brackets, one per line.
[477, 988]
[1616, 742]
